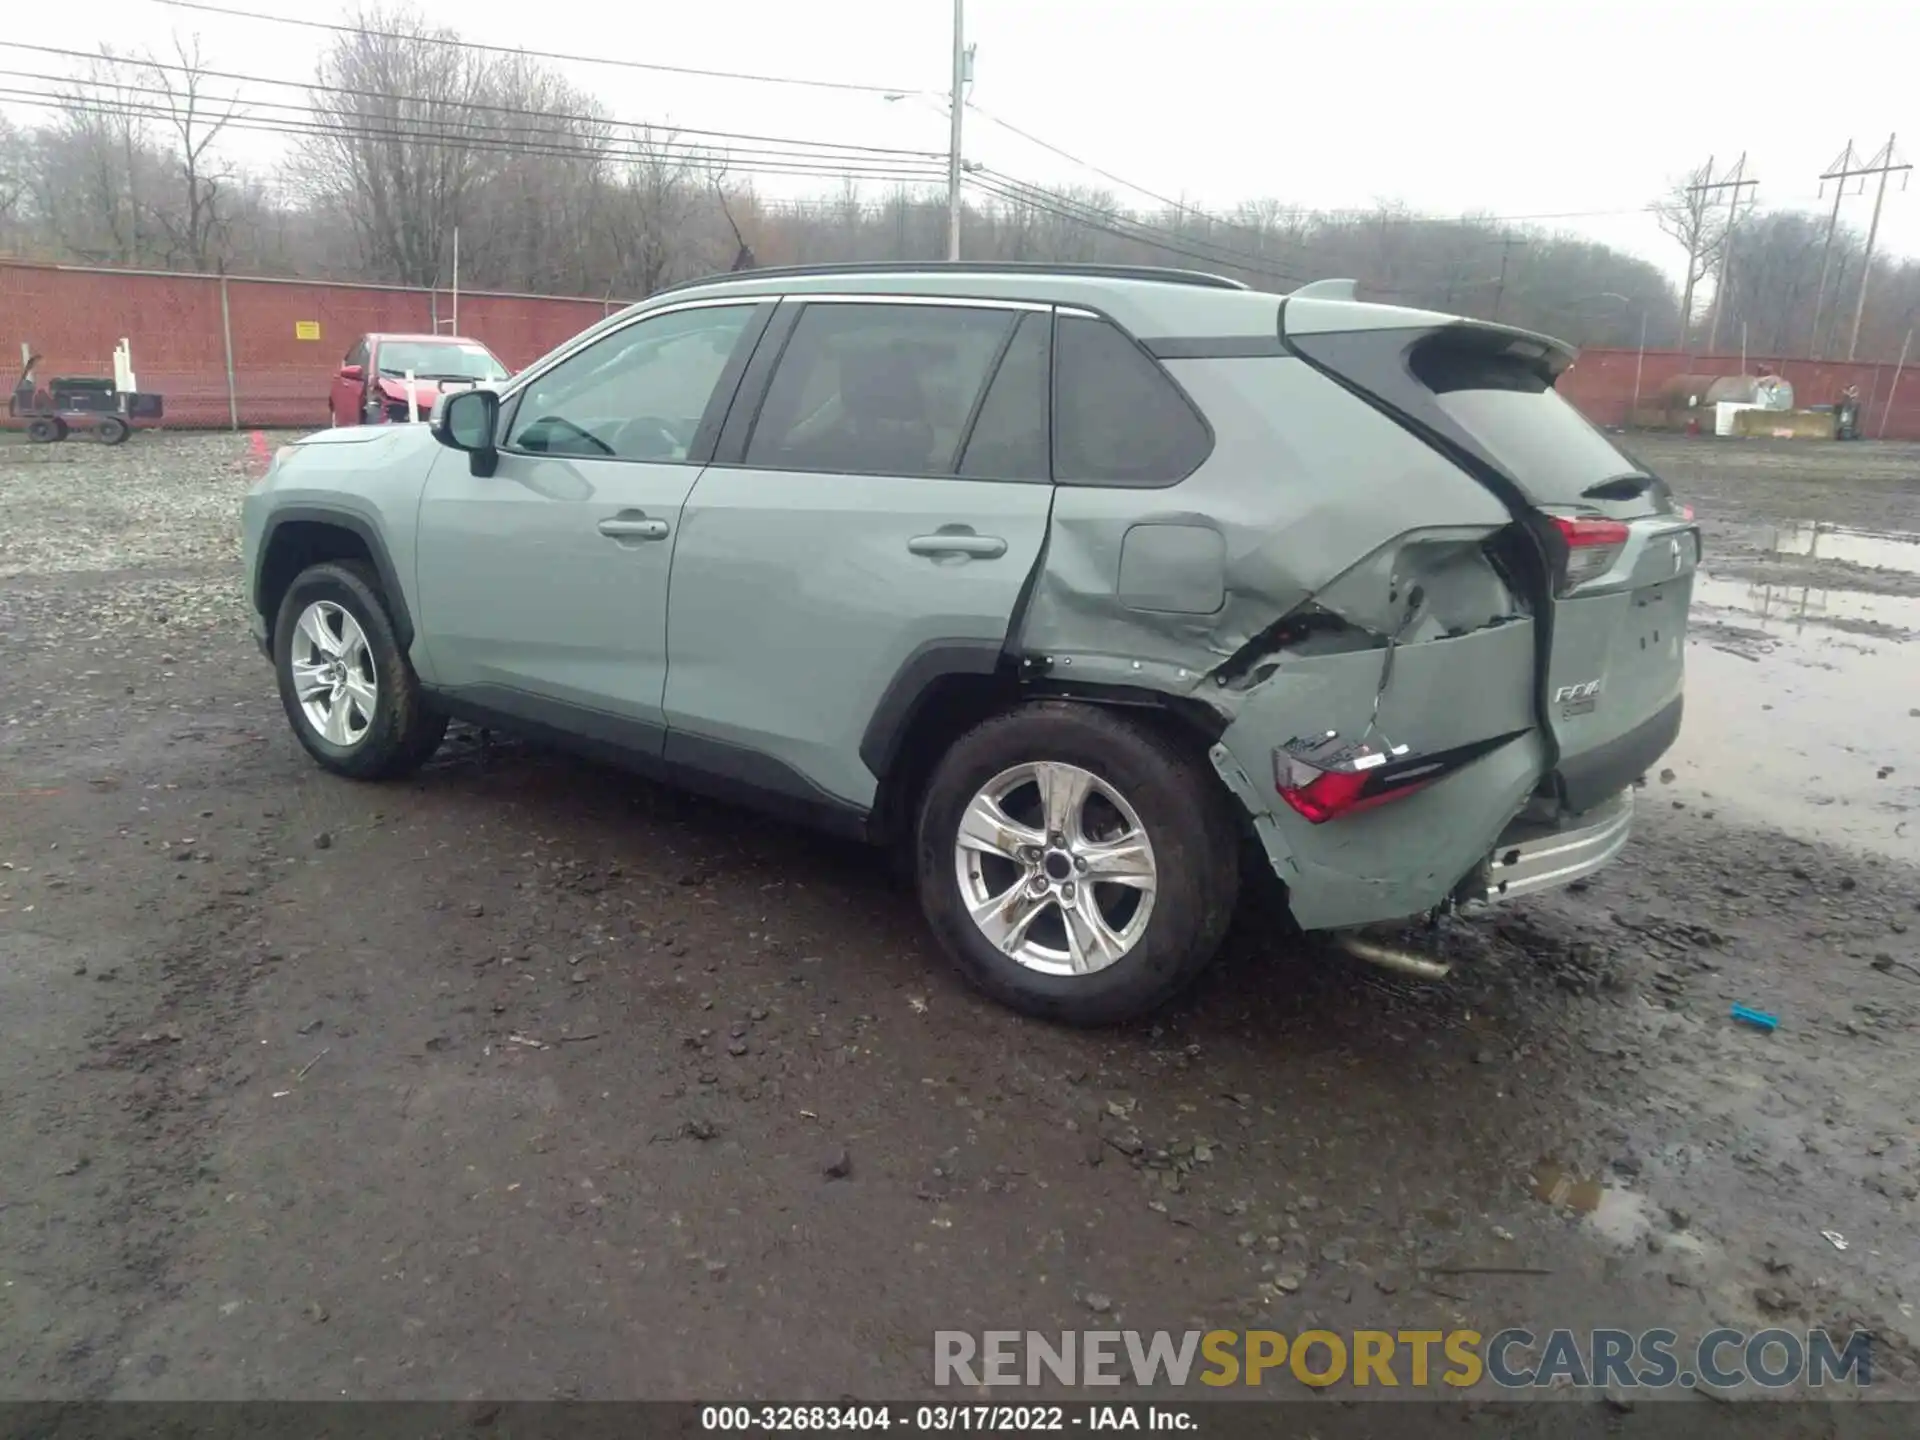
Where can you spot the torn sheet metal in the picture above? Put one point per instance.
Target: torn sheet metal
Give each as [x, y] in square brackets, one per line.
[1348, 606]
[1406, 857]
[1303, 483]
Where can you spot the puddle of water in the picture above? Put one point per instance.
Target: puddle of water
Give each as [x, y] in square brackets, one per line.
[1795, 607]
[1554, 1184]
[1617, 1217]
[1795, 712]
[1859, 547]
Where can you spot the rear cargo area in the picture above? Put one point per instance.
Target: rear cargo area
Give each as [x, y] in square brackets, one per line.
[1605, 556]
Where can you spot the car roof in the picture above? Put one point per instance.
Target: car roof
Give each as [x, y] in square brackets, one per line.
[1148, 301]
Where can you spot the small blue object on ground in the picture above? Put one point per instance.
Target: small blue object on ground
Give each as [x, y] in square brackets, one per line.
[1759, 1019]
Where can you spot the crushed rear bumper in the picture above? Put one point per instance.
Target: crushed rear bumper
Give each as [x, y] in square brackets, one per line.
[1532, 856]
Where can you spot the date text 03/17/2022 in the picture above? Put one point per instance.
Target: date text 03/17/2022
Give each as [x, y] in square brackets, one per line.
[945, 1419]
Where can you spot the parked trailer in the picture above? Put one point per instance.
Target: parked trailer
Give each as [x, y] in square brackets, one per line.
[107, 407]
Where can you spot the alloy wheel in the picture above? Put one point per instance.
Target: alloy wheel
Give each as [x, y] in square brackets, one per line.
[333, 673]
[1055, 868]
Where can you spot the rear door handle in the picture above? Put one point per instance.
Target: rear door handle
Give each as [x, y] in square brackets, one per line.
[633, 527]
[958, 542]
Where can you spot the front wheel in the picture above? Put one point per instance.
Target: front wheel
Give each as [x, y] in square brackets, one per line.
[1076, 865]
[112, 430]
[349, 691]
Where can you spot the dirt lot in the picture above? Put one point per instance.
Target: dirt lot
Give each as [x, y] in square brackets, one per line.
[527, 1079]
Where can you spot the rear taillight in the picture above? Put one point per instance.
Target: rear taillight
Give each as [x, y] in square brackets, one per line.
[1591, 548]
[1322, 795]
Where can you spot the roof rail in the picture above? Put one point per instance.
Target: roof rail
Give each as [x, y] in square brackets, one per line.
[1157, 273]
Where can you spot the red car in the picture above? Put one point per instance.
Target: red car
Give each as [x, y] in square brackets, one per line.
[371, 387]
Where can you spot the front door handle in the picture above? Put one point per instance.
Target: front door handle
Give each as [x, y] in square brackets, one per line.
[633, 526]
[958, 541]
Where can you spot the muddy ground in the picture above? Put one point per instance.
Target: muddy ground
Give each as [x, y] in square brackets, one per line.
[527, 1079]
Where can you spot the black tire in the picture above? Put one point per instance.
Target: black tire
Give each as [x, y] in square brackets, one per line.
[404, 731]
[1180, 803]
[112, 430]
[44, 430]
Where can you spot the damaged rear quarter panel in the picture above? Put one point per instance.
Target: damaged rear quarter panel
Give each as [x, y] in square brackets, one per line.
[1314, 497]
[1406, 856]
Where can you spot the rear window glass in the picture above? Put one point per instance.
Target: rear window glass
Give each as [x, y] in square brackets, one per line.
[1521, 421]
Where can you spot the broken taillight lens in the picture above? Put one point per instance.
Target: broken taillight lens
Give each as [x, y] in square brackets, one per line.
[1322, 795]
[1591, 548]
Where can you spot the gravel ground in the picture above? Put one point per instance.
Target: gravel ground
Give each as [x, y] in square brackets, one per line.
[524, 1079]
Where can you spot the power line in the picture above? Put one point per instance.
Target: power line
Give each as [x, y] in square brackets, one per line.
[1088, 165]
[1152, 233]
[642, 137]
[313, 87]
[1349, 212]
[1017, 192]
[658, 68]
[712, 159]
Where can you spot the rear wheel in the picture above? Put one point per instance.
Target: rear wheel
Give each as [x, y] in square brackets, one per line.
[349, 691]
[1076, 865]
[45, 430]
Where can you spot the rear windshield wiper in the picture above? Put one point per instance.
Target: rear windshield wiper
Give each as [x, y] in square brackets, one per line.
[1620, 487]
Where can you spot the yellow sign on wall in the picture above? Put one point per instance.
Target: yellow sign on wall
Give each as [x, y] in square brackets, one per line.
[306, 329]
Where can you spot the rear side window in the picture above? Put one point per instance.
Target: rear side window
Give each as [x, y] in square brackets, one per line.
[878, 389]
[1118, 418]
[1009, 438]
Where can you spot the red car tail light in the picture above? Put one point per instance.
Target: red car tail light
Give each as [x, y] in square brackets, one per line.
[1323, 795]
[1591, 548]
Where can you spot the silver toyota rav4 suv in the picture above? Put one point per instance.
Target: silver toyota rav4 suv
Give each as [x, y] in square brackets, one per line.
[1083, 586]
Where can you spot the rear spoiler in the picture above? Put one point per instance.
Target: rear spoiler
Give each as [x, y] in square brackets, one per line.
[1332, 307]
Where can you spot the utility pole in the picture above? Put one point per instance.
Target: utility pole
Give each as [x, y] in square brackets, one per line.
[1882, 165]
[1506, 244]
[958, 106]
[1696, 223]
[1722, 290]
[1840, 171]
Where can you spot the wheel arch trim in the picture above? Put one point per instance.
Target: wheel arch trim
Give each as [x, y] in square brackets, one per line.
[362, 529]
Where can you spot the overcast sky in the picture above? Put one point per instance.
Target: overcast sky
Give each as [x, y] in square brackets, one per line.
[1579, 111]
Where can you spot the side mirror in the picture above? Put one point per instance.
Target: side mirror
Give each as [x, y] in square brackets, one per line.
[352, 372]
[468, 420]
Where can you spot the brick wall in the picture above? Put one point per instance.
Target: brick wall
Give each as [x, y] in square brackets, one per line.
[74, 316]
[1601, 383]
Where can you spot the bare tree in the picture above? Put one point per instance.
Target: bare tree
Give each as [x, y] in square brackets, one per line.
[13, 169]
[92, 172]
[663, 186]
[420, 135]
[196, 228]
[403, 140]
[1689, 215]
